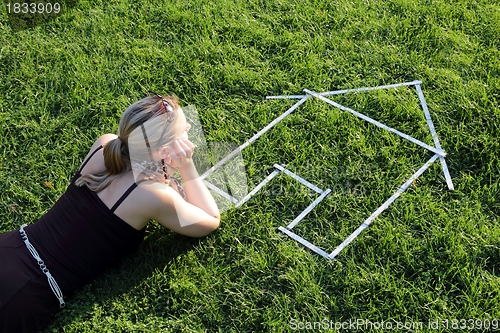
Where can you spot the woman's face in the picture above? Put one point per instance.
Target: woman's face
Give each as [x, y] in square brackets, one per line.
[184, 126]
[181, 130]
[185, 133]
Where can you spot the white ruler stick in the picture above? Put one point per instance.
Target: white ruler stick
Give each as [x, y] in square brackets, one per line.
[220, 192]
[440, 152]
[298, 178]
[255, 137]
[434, 135]
[308, 209]
[345, 91]
[304, 242]
[389, 86]
[286, 97]
[258, 187]
[384, 206]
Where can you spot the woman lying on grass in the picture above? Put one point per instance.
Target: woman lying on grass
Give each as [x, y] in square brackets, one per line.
[124, 182]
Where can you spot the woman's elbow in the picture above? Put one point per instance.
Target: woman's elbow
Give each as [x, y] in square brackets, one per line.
[207, 227]
[214, 224]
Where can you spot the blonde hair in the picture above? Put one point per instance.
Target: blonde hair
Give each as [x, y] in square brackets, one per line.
[148, 113]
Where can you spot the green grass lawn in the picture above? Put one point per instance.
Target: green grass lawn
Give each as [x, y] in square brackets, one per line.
[433, 255]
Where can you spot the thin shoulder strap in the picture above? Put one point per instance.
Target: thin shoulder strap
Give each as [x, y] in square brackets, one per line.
[88, 159]
[125, 195]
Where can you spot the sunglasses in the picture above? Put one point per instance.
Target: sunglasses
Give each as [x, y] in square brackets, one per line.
[168, 107]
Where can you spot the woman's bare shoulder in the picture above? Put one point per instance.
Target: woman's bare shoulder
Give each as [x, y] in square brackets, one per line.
[101, 141]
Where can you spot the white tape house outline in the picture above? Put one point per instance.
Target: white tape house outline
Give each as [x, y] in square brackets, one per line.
[437, 150]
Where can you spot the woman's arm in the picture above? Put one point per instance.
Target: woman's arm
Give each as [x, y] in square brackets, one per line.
[181, 216]
[179, 156]
[196, 216]
[197, 193]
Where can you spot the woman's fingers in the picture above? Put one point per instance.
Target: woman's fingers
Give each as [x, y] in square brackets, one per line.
[180, 151]
[187, 146]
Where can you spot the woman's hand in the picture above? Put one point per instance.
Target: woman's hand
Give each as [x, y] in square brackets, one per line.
[179, 153]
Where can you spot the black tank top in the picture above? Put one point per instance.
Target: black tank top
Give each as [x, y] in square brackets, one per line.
[80, 237]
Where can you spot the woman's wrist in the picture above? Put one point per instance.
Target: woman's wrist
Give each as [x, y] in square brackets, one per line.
[188, 171]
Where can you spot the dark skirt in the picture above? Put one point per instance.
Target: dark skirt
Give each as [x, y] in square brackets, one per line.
[27, 302]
